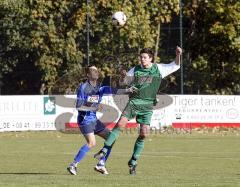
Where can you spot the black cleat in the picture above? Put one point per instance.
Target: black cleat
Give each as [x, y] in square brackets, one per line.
[132, 168]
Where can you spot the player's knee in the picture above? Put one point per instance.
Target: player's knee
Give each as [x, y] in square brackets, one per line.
[91, 144]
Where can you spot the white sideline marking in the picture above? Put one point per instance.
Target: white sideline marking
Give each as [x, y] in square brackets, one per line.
[161, 154]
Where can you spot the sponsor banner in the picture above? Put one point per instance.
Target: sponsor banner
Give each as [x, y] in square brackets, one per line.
[56, 112]
[204, 124]
[201, 110]
[23, 113]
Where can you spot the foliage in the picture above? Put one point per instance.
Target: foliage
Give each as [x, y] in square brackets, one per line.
[50, 37]
[214, 47]
[44, 42]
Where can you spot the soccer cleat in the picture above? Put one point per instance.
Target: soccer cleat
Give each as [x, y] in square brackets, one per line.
[99, 155]
[132, 168]
[101, 169]
[72, 169]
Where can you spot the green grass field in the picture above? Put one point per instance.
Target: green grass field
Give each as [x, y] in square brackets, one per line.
[41, 158]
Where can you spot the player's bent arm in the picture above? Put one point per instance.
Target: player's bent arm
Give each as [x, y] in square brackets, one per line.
[81, 105]
[131, 89]
[124, 81]
[177, 60]
[167, 69]
[87, 108]
[127, 79]
[81, 101]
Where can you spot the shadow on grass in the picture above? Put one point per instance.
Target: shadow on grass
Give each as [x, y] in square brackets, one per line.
[24, 173]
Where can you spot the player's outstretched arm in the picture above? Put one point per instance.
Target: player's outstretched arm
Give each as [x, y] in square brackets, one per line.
[167, 69]
[123, 77]
[178, 55]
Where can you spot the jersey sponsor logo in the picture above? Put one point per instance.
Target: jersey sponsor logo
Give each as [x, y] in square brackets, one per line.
[93, 98]
[144, 79]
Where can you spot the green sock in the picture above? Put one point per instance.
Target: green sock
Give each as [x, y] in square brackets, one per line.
[138, 148]
[113, 135]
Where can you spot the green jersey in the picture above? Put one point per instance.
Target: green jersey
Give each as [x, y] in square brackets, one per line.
[148, 80]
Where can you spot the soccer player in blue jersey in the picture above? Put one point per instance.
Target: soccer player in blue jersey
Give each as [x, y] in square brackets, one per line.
[89, 96]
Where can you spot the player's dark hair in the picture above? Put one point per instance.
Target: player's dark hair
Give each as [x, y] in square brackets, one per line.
[149, 52]
[87, 69]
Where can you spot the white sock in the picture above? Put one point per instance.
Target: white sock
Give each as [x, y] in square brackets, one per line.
[74, 163]
[101, 162]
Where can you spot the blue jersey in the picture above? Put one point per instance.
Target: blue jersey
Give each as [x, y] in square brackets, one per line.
[90, 96]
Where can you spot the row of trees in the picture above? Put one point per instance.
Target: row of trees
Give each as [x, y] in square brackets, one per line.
[213, 46]
[43, 43]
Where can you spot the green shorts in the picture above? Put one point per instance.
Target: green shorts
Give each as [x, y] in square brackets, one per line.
[143, 113]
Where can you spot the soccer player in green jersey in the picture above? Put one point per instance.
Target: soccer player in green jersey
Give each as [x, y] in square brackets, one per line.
[145, 80]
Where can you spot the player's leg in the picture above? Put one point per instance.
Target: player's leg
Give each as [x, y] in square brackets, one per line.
[112, 136]
[91, 142]
[127, 114]
[87, 129]
[138, 148]
[103, 132]
[144, 118]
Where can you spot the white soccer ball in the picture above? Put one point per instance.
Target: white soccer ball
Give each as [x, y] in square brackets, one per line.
[119, 18]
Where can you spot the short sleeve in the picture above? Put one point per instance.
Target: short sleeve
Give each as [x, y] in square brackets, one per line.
[130, 73]
[167, 69]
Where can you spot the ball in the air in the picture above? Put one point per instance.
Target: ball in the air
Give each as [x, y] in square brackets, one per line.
[119, 18]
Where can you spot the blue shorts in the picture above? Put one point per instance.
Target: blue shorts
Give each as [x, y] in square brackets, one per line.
[90, 124]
